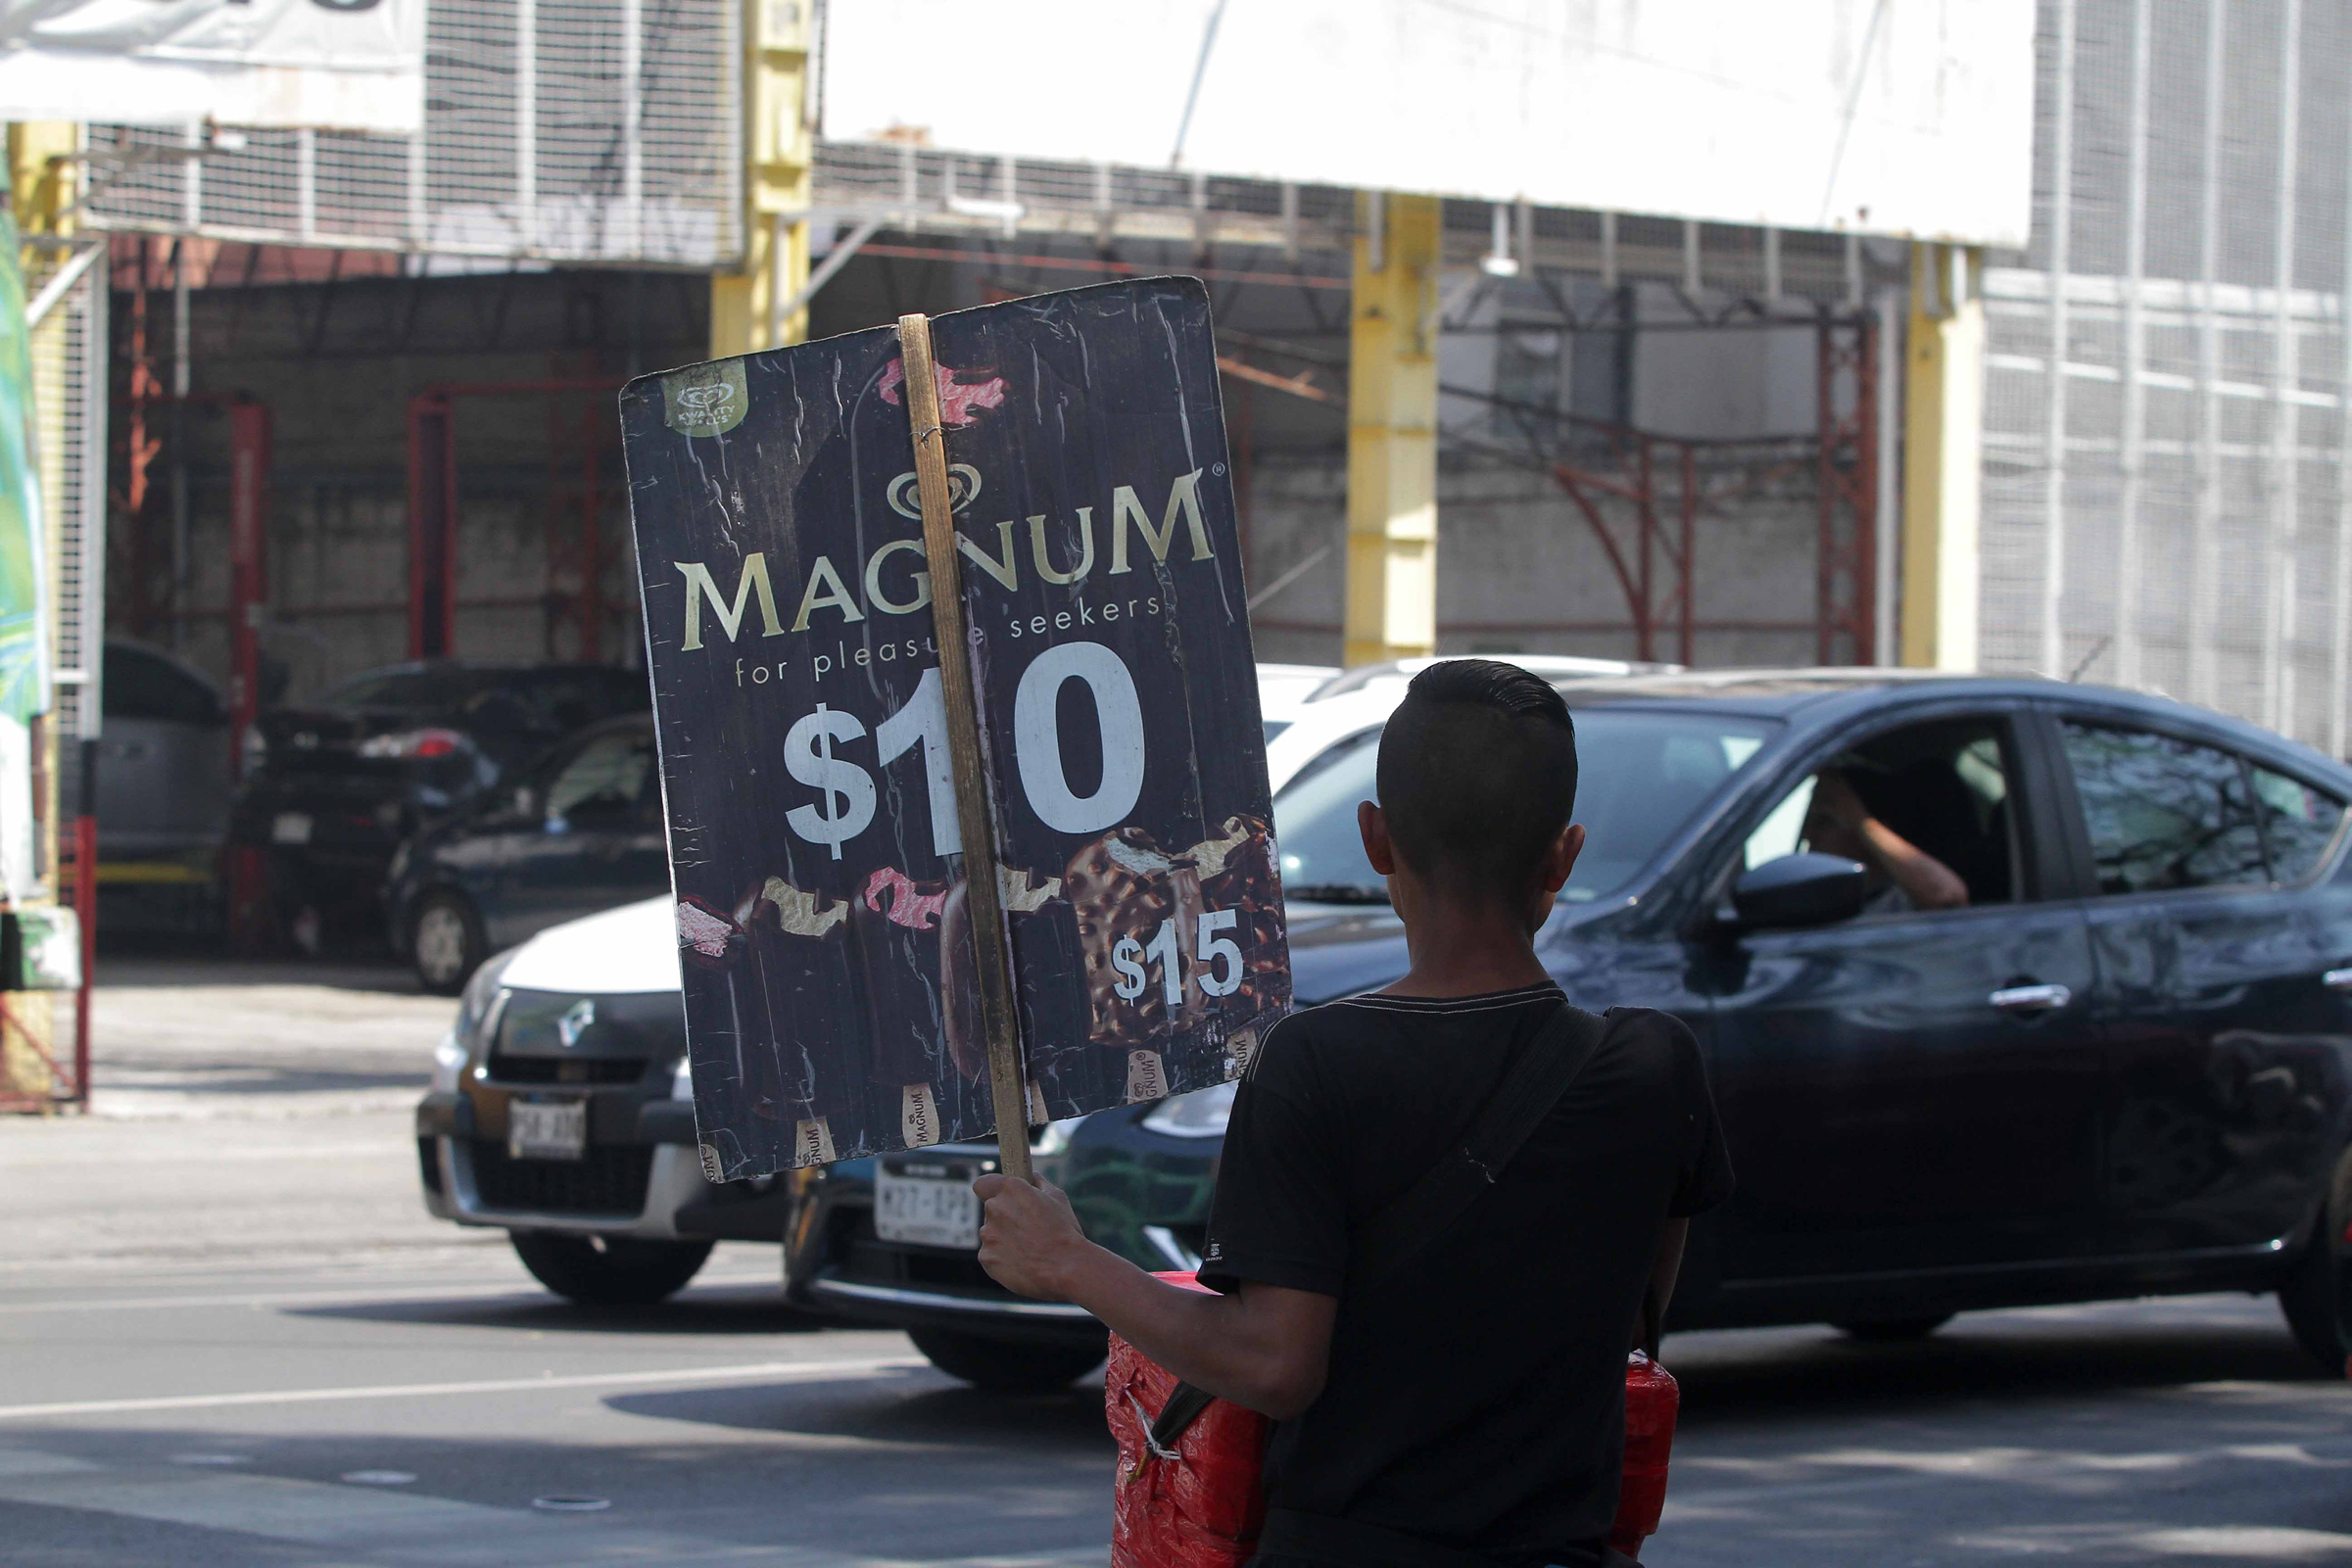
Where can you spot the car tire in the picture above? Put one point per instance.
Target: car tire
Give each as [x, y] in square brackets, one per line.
[446, 942]
[1895, 1330]
[609, 1270]
[2317, 1297]
[1006, 1366]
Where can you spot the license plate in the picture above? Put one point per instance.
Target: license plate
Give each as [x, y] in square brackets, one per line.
[291, 828]
[547, 1129]
[929, 1209]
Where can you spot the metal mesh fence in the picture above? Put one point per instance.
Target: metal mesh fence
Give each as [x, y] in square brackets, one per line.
[78, 511]
[2165, 502]
[567, 130]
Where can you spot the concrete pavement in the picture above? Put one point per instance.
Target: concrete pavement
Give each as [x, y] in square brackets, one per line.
[228, 1335]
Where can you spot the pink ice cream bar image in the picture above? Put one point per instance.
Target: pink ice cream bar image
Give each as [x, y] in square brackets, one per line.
[958, 403]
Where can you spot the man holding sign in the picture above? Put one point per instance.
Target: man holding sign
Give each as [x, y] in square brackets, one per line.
[1444, 1351]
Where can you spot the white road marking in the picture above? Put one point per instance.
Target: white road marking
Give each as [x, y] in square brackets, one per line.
[784, 1371]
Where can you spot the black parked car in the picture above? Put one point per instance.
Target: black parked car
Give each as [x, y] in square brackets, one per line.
[332, 789]
[2124, 1066]
[578, 831]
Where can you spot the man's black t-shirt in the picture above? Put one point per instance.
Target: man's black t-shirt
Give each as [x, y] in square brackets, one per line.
[1476, 1394]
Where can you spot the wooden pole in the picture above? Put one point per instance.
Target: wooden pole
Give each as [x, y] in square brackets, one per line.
[974, 819]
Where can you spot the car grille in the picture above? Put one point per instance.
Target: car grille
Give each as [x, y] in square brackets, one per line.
[609, 1179]
[505, 1069]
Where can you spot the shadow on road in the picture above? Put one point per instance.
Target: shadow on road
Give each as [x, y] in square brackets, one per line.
[1822, 1375]
[1070, 1420]
[177, 971]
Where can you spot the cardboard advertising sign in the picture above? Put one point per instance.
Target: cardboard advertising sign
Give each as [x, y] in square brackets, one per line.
[827, 952]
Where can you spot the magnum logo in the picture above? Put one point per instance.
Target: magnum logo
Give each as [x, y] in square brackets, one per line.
[901, 586]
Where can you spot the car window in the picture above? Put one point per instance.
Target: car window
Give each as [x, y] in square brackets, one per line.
[137, 684]
[396, 688]
[2299, 823]
[607, 777]
[1926, 808]
[2163, 813]
[1641, 776]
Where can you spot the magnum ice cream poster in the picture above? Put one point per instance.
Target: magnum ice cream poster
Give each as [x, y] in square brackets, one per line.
[818, 871]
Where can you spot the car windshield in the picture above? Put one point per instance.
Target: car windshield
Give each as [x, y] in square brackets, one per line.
[1641, 776]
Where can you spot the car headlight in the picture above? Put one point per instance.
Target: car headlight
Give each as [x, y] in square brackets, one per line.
[449, 1064]
[481, 993]
[1194, 1115]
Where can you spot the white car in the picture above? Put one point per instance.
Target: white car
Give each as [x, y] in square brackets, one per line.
[1348, 709]
[1285, 689]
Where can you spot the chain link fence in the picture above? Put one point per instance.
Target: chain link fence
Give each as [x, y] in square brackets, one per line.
[557, 130]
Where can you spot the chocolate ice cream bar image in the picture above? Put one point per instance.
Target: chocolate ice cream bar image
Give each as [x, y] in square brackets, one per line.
[1237, 871]
[1124, 889]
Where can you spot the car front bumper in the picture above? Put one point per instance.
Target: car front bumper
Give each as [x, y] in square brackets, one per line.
[639, 1175]
[1138, 1193]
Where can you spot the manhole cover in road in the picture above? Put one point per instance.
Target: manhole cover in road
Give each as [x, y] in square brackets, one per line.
[379, 1478]
[562, 1504]
[207, 1459]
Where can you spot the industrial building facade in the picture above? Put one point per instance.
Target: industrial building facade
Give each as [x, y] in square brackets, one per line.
[1655, 438]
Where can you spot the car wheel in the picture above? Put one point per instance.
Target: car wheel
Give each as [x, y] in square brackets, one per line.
[2317, 1297]
[1006, 1366]
[1895, 1330]
[609, 1270]
[446, 942]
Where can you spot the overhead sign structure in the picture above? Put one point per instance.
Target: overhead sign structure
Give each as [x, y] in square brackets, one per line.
[343, 65]
[1914, 118]
[835, 954]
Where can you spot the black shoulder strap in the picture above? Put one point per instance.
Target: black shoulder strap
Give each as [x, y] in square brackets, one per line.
[1524, 1097]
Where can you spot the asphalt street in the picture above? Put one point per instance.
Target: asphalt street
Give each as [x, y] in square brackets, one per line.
[232, 1336]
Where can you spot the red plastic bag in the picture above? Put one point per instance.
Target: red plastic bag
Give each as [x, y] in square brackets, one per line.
[1651, 1401]
[1201, 1509]
[1204, 1508]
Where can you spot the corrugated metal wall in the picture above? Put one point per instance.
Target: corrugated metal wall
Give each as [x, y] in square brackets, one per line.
[2166, 419]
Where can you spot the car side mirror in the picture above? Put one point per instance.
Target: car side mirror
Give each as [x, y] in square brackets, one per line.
[1798, 890]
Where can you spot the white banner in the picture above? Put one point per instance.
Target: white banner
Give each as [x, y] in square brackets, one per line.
[1914, 118]
[350, 65]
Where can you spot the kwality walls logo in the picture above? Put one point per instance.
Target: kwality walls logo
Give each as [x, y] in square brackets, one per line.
[706, 399]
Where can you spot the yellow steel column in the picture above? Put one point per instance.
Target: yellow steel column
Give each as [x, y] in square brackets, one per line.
[778, 156]
[1392, 432]
[1943, 424]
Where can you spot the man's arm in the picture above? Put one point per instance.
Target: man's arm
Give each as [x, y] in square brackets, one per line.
[1665, 1268]
[1263, 1347]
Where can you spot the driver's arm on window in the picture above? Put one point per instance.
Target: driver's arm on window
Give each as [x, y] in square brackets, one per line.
[1928, 881]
